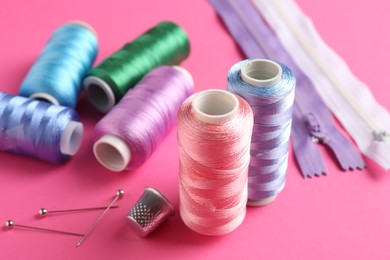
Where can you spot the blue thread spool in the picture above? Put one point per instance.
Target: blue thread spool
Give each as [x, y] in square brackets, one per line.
[38, 129]
[57, 74]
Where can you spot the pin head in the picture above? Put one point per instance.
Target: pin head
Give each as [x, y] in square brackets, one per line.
[42, 211]
[120, 193]
[9, 223]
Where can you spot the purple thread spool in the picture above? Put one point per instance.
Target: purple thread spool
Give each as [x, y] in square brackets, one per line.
[131, 131]
[150, 211]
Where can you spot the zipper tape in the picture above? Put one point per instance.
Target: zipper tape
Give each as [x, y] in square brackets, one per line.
[349, 98]
[256, 39]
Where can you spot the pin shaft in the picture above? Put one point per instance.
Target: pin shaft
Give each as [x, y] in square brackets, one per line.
[11, 224]
[75, 210]
[119, 194]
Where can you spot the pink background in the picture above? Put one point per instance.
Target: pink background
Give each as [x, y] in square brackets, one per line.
[344, 215]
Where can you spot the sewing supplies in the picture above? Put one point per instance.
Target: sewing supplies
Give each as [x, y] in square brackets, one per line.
[129, 134]
[11, 224]
[44, 212]
[38, 129]
[214, 132]
[119, 194]
[269, 89]
[149, 212]
[313, 123]
[57, 74]
[164, 44]
[350, 99]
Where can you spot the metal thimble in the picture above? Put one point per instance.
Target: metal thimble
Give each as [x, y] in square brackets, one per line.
[151, 210]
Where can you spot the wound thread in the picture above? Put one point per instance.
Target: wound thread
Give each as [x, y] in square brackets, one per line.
[127, 136]
[269, 89]
[164, 44]
[56, 76]
[38, 129]
[214, 131]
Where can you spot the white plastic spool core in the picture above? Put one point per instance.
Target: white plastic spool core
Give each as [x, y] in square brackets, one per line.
[85, 25]
[99, 94]
[71, 138]
[262, 202]
[215, 106]
[112, 152]
[261, 72]
[185, 73]
[45, 97]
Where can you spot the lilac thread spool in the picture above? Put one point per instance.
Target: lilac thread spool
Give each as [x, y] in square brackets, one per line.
[150, 211]
[130, 132]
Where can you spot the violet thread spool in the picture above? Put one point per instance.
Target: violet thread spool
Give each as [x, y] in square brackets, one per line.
[127, 136]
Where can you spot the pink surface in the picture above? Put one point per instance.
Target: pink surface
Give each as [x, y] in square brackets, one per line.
[342, 216]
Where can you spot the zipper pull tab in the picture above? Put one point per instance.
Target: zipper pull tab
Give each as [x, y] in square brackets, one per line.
[381, 136]
[318, 135]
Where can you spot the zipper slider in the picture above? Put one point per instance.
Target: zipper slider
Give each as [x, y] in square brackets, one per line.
[317, 133]
[381, 136]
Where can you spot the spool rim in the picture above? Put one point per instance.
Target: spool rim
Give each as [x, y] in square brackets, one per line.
[261, 72]
[215, 106]
[112, 152]
[262, 202]
[45, 97]
[186, 73]
[99, 94]
[84, 24]
[71, 138]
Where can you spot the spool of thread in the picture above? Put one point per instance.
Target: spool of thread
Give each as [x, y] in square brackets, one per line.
[214, 132]
[269, 89]
[129, 134]
[57, 74]
[164, 44]
[38, 129]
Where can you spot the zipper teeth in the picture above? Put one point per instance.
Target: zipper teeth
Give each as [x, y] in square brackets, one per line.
[309, 160]
[252, 31]
[312, 165]
[249, 27]
[321, 64]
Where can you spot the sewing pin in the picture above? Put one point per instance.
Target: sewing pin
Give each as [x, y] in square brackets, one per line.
[10, 224]
[119, 194]
[43, 211]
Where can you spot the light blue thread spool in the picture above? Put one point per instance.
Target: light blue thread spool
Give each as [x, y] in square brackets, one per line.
[269, 89]
[57, 74]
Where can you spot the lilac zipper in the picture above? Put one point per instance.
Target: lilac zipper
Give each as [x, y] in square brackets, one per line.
[312, 121]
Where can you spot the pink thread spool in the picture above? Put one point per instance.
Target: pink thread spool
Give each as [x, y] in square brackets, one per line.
[214, 133]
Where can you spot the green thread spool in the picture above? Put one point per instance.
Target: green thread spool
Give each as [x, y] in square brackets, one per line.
[164, 44]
